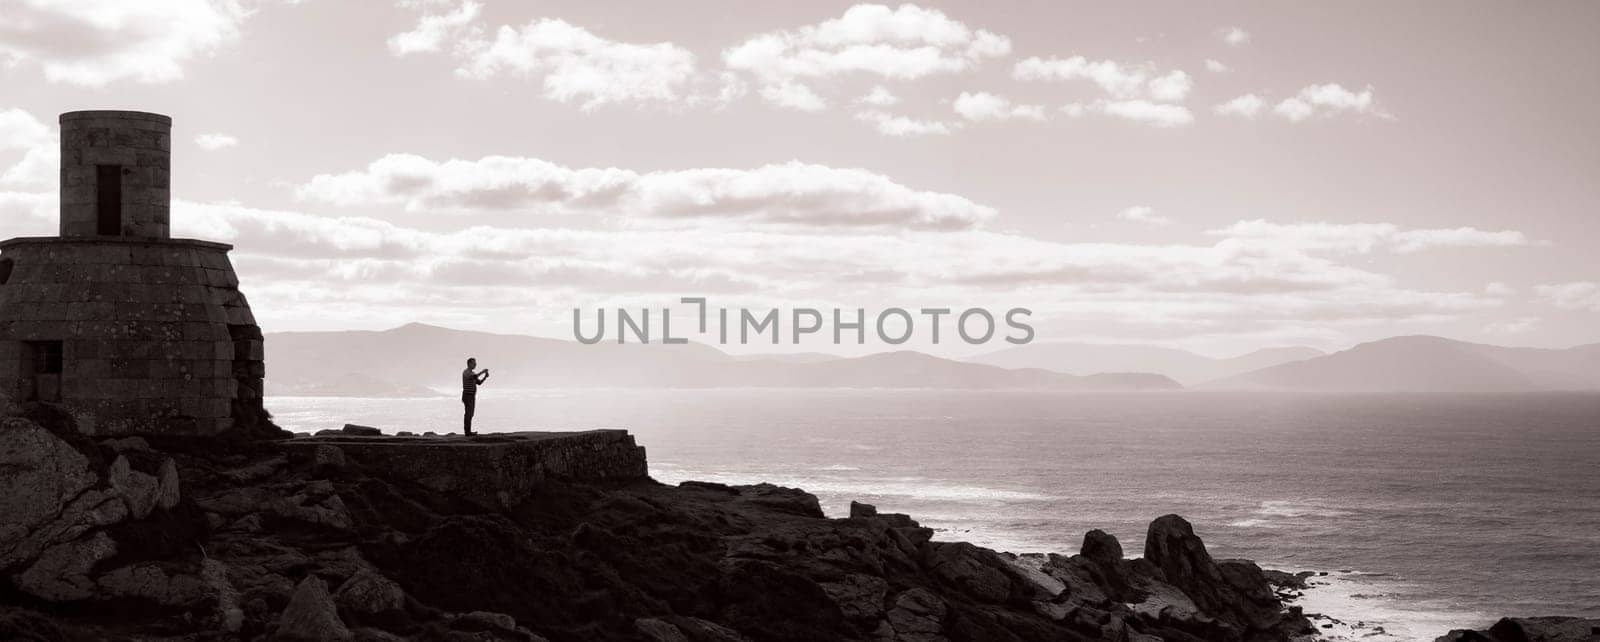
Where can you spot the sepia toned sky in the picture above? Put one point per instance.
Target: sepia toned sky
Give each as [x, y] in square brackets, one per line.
[1219, 177]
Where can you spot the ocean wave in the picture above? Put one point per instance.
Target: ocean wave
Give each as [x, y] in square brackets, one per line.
[887, 490]
[1276, 513]
[1374, 607]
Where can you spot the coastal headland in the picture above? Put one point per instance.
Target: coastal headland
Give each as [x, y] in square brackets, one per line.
[356, 535]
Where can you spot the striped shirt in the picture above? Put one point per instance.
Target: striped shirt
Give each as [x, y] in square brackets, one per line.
[469, 381]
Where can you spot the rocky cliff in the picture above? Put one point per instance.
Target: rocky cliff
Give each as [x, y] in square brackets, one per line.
[289, 540]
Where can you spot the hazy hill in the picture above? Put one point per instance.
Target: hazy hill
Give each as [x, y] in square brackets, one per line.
[388, 361]
[1184, 366]
[1431, 364]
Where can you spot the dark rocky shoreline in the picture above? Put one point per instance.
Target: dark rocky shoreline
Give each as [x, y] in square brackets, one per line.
[183, 539]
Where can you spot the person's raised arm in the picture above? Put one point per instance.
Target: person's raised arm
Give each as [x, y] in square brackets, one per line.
[483, 376]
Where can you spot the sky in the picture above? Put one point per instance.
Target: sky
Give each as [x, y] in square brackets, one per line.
[1219, 177]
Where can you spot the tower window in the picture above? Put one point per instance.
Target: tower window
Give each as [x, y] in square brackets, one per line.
[108, 200]
[45, 356]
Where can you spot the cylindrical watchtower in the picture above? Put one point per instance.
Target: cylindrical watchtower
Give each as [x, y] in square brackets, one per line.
[129, 330]
[116, 174]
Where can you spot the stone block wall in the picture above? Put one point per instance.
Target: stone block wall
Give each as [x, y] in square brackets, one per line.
[155, 336]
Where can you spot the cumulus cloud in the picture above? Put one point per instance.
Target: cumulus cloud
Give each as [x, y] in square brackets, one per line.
[21, 131]
[572, 63]
[1363, 238]
[981, 106]
[905, 42]
[1143, 214]
[879, 97]
[1246, 106]
[791, 193]
[1215, 66]
[434, 29]
[95, 42]
[1235, 36]
[577, 65]
[1119, 80]
[1139, 93]
[903, 126]
[1573, 295]
[1325, 100]
[213, 142]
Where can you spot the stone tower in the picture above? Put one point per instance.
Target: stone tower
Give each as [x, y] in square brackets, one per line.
[130, 330]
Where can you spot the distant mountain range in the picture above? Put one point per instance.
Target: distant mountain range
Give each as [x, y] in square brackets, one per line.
[1186, 367]
[1430, 364]
[418, 359]
[401, 361]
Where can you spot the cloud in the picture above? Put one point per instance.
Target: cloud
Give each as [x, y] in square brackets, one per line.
[1215, 66]
[213, 142]
[879, 97]
[1573, 295]
[1519, 325]
[788, 194]
[1139, 111]
[904, 43]
[1364, 238]
[1116, 79]
[572, 63]
[20, 130]
[1171, 87]
[1325, 100]
[577, 65]
[793, 95]
[902, 126]
[1498, 289]
[983, 106]
[93, 43]
[1235, 36]
[433, 29]
[1247, 106]
[1143, 214]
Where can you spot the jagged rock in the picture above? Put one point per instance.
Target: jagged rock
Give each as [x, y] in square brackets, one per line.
[659, 630]
[126, 444]
[369, 593]
[169, 485]
[50, 493]
[859, 596]
[487, 625]
[258, 470]
[779, 498]
[358, 429]
[61, 573]
[328, 458]
[1531, 629]
[918, 615]
[139, 490]
[311, 615]
[979, 571]
[684, 629]
[1102, 548]
[150, 582]
[859, 510]
[1234, 593]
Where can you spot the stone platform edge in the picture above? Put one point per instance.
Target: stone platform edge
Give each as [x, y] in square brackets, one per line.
[496, 470]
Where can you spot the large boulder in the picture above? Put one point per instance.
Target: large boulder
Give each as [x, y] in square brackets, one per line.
[368, 593]
[62, 572]
[1531, 629]
[311, 615]
[54, 496]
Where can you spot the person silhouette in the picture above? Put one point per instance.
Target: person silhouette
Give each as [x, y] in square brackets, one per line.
[470, 380]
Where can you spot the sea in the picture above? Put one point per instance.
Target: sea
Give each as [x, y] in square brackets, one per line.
[1427, 512]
